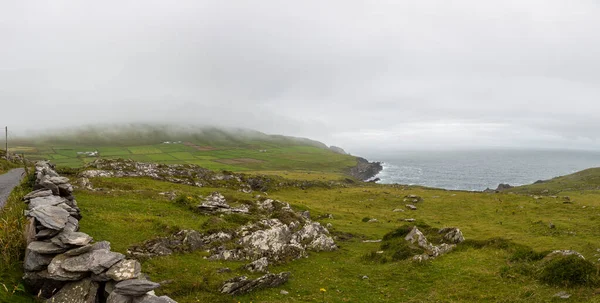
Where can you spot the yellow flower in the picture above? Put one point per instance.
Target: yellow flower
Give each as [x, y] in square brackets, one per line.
[323, 290]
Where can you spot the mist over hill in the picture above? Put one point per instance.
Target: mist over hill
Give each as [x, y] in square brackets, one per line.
[143, 134]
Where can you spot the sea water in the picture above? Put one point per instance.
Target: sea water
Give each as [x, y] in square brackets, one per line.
[476, 170]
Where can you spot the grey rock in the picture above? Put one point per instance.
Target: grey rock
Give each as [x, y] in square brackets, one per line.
[261, 265]
[65, 190]
[74, 238]
[411, 207]
[45, 248]
[563, 253]
[284, 292]
[125, 270]
[35, 261]
[46, 233]
[57, 272]
[101, 277]
[83, 291]
[59, 180]
[452, 234]
[79, 251]
[135, 287]
[153, 299]
[51, 217]
[241, 285]
[37, 194]
[72, 224]
[95, 261]
[48, 200]
[117, 298]
[49, 185]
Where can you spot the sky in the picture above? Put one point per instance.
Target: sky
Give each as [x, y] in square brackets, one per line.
[393, 75]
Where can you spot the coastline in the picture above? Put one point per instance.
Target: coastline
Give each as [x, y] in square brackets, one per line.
[365, 170]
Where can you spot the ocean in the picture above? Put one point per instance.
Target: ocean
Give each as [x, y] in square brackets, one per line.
[479, 169]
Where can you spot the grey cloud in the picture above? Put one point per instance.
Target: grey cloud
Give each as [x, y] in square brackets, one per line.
[395, 74]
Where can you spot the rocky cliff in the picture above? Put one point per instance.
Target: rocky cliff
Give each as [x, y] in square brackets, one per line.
[365, 170]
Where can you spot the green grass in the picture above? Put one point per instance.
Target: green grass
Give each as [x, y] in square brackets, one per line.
[476, 272]
[6, 166]
[588, 179]
[12, 247]
[212, 148]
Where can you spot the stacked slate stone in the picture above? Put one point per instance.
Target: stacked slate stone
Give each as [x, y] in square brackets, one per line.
[65, 265]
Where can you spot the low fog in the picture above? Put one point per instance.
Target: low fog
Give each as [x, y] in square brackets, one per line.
[365, 75]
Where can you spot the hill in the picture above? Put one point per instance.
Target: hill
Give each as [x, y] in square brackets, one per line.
[210, 147]
[588, 179]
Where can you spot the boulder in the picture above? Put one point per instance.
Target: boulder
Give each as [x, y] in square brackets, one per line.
[124, 270]
[411, 207]
[503, 186]
[59, 180]
[95, 261]
[48, 200]
[452, 234]
[153, 299]
[241, 285]
[72, 224]
[57, 272]
[74, 238]
[261, 265]
[135, 287]
[45, 248]
[38, 194]
[51, 217]
[46, 234]
[35, 261]
[65, 190]
[83, 291]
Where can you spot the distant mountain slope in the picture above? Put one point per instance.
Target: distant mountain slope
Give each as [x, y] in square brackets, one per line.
[209, 147]
[588, 179]
[148, 134]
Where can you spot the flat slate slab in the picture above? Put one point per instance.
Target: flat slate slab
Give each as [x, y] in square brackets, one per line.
[135, 287]
[95, 261]
[52, 217]
[47, 200]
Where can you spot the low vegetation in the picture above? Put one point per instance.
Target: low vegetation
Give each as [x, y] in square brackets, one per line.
[12, 247]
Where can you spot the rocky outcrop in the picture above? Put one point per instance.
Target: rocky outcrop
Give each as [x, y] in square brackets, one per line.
[416, 237]
[280, 235]
[191, 175]
[365, 170]
[61, 263]
[241, 285]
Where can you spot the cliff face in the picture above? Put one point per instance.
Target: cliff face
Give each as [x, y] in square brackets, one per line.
[364, 169]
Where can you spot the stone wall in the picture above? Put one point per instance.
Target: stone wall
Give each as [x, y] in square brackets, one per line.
[63, 264]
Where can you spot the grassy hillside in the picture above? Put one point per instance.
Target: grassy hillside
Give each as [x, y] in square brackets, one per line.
[588, 179]
[212, 148]
[481, 270]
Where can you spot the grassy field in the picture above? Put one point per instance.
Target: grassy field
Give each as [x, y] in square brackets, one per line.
[212, 148]
[471, 273]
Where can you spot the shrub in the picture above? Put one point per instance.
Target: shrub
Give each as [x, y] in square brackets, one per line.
[568, 271]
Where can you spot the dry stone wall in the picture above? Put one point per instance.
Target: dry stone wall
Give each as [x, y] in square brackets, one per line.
[63, 264]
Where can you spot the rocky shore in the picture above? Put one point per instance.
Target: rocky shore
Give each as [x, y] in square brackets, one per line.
[365, 170]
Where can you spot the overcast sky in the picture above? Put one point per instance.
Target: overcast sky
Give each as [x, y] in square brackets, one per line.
[395, 74]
